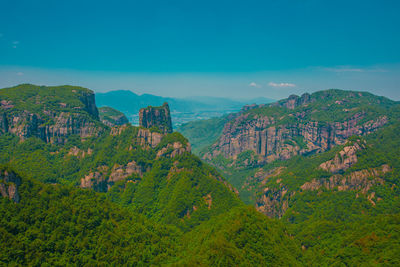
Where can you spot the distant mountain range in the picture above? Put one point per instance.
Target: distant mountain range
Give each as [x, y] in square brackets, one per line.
[182, 109]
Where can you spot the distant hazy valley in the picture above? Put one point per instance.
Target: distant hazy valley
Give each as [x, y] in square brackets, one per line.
[182, 109]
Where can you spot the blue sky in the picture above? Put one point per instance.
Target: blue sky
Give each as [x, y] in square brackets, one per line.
[184, 48]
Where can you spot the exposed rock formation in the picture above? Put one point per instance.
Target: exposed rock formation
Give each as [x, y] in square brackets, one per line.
[344, 159]
[271, 139]
[95, 180]
[149, 138]
[75, 151]
[293, 101]
[357, 180]
[9, 183]
[159, 117]
[103, 178]
[51, 122]
[275, 201]
[119, 172]
[175, 149]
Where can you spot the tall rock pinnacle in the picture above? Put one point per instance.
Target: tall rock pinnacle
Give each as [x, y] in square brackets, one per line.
[156, 117]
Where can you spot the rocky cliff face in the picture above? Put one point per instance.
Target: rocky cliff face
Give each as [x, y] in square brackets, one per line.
[43, 115]
[345, 158]
[9, 183]
[275, 201]
[174, 149]
[296, 125]
[103, 177]
[273, 142]
[294, 101]
[276, 196]
[159, 117]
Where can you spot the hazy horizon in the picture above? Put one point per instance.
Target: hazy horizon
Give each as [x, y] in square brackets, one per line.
[221, 48]
[227, 85]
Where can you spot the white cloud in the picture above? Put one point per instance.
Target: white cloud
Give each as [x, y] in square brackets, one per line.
[344, 69]
[253, 84]
[281, 84]
[15, 43]
[20, 73]
[340, 69]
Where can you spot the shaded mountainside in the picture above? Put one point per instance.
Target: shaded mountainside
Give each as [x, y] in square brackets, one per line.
[112, 117]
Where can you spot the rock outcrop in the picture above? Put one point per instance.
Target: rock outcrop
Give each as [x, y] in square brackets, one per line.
[103, 177]
[294, 101]
[357, 180]
[175, 149]
[272, 142]
[275, 201]
[45, 116]
[147, 138]
[9, 183]
[159, 117]
[344, 159]
[298, 126]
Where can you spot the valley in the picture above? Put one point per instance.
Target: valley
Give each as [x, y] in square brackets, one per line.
[307, 180]
[182, 109]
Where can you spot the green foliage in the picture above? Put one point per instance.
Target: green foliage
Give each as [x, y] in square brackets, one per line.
[59, 225]
[241, 237]
[246, 158]
[328, 106]
[64, 225]
[174, 191]
[172, 138]
[203, 133]
[112, 115]
[38, 99]
[343, 227]
[110, 112]
[180, 210]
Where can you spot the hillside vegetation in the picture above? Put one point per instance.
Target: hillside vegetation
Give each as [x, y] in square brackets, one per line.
[125, 196]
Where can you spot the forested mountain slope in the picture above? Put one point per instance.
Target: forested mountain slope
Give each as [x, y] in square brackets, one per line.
[130, 195]
[334, 185]
[120, 195]
[343, 204]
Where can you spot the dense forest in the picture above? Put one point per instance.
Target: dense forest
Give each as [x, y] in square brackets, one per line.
[79, 192]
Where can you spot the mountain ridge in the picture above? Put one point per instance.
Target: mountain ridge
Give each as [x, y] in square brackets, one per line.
[183, 109]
